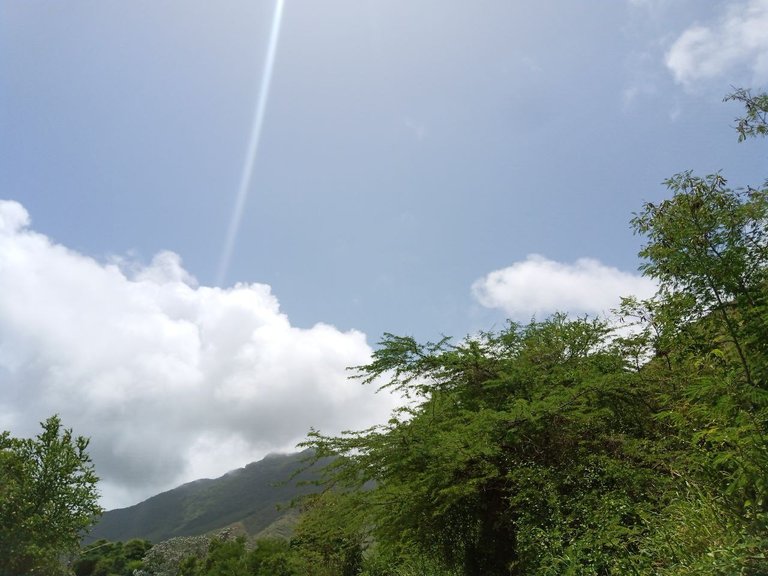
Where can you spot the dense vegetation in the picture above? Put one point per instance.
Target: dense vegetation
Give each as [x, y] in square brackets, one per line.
[104, 558]
[568, 446]
[562, 446]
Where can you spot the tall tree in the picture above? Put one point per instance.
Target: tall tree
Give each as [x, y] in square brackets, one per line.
[711, 243]
[707, 246]
[48, 499]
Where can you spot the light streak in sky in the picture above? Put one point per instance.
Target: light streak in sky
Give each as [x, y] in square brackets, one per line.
[253, 144]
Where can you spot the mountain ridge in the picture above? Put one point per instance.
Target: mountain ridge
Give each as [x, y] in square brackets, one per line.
[254, 497]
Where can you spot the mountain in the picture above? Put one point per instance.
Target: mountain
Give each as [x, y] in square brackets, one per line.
[254, 498]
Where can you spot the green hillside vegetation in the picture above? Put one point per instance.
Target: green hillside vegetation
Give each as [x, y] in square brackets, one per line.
[103, 558]
[256, 498]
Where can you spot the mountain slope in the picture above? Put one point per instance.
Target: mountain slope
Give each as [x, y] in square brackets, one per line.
[248, 496]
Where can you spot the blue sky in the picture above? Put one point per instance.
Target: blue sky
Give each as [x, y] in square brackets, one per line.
[424, 168]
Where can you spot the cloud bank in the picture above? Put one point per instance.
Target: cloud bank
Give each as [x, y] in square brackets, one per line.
[737, 40]
[539, 287]
[172, 381]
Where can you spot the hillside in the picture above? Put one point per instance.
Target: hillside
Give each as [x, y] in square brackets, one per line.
[249, 497]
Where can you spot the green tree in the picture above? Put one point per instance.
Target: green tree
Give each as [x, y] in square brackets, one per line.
[328, 540]
[522, 451]
[104, 558]
[228, 557]
[755, 120]
[560, 448]
[711, 243]
[225, 558]
[48, 499]
[270, 557]
[707, 328]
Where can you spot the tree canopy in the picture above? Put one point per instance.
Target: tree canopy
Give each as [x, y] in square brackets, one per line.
[574, 446]
[48, 499]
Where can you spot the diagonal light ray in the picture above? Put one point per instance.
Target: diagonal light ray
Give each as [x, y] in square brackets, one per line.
[253, 145]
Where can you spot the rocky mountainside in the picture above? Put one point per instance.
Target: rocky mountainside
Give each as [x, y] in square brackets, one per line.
[253, 499]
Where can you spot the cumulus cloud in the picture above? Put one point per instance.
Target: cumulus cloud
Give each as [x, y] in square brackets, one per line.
[737, 41]
[538, 287]
[172, 381]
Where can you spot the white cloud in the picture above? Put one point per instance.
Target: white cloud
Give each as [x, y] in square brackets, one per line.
[737, 41]
[170, 380]
[538, 286]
